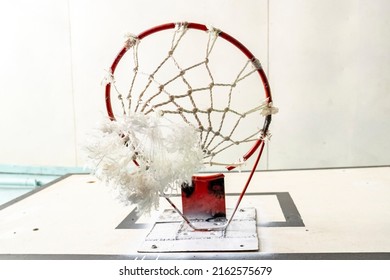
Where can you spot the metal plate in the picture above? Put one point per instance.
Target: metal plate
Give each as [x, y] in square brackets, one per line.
[171, 234]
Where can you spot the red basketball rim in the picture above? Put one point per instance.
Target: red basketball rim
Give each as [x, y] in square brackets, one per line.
[200, 27]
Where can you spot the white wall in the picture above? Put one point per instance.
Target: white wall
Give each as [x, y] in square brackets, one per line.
[329, 68]
[327, 62]
[36, 105]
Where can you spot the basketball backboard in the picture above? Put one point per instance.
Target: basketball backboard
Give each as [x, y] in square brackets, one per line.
[310, 214]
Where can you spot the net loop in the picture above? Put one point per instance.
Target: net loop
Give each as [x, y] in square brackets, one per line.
[108, 78]
[256, 63]
[269, 109]
[131, 40]
[214, 32]
[181, 26]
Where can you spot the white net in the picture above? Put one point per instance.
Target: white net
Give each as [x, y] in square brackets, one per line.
[165, 157]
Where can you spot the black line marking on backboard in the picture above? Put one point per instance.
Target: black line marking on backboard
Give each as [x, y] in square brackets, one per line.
[290, 211]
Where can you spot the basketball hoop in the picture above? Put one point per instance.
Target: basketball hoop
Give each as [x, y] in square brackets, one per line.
[174, 113]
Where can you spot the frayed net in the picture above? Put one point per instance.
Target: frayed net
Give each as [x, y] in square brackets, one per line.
[167, 155]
